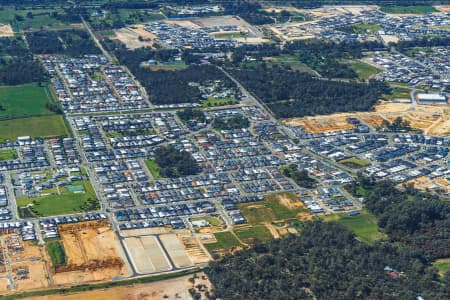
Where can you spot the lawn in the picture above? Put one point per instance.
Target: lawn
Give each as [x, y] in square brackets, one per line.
[8, 154]
[153, 168]
[24, 100]
[420, 10]
[271, 209]
[64, 203]
[398, 93]
[225, 240]
[210, 102]
[364, 225]
[228, 35]
[46, 126]
[214, 221]
[443, 265]
[252, 234]
[55, 250]
[364, 28]
[355, 162]
[363, 70]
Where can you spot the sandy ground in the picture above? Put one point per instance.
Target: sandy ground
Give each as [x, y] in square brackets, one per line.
[150, 231]
[195, 250]
[6, 30]
[146, 254]
[321, 124]
[4, 282]
[389, 38]
[443, 8]
[184, 23]
[176, 250]
[177, 288]
[130, 36]
[88, 245]
[423, 183]
[221, 21]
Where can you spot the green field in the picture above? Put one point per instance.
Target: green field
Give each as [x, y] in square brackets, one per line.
[419, 10]
[364, 225]
[8, 154]
[214, 221]
[41, 17]
[24, 100]
[153, 168]
[443, 265]
[46, 126]
[225, 240]
[398, 93]
[228, 35]
[174, 66]
[252, 234]
[270, 209]
[355, 162]
[292, 61]
[57, 204]
[363, 70]
[210, 102]
[55, 250]
[366, 28]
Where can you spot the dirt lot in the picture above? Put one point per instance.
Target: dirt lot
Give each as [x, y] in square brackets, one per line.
[6, 30]
[4, 285]
[32, 260]
[321, 124]
[195, 250]
[177, 288]
[423, 183]
[130, 37]
[176, 250]
[85, 246]
[146, 254]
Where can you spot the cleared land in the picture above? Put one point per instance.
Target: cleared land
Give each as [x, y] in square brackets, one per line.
[56, 204]
[6, 30]
[223, 243]
[176, 250]
[44, 127]
[363, 70]
[134, 37]
[253, 234]
[146, 254]
[364, 225]
[416, 10]
[355, 162]
[320, 124]
[443, 265]
[24, 100]
[176, 288]
[93, 254]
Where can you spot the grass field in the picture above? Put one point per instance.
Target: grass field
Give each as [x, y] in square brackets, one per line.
[57, 204]
[24, 100]
[225, 240]
[210, 102]
[8, 154]
[366, 28]
[292, 61]
[364, 225]
[168, 66]
[214, 221]
[419, 10]
[41, 17]
[398, 93]
[252, 234]
[443, 265]
[55, 250]
[270, 209]
[363, 70]
[46, 126]
[355, 162]
[153, 168]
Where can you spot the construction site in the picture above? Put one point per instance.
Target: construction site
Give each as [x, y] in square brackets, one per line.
[23, 265]
[93, 253]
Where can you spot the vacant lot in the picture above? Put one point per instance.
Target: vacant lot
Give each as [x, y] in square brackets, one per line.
[253, 234]
[41, 17]
[275, 207]
[363, 70]
[93, 253]
[364, 225]
[320, 124]
[45, 127]
[146, 254]
[57, 204]
[24, 100]
[176, 250]
[225, 241]
[416, 10]
[355, 162]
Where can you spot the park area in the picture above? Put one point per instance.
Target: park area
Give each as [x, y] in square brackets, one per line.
[364, 225]
[24, 111]
[77, 197]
